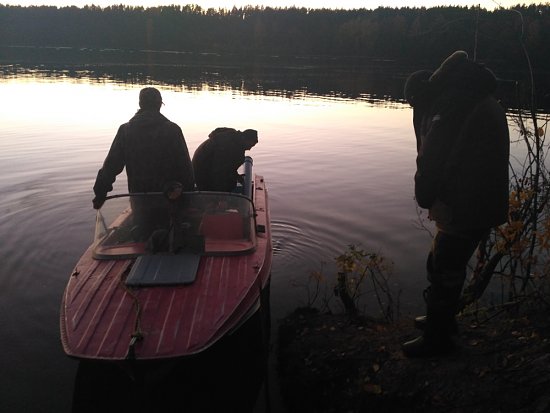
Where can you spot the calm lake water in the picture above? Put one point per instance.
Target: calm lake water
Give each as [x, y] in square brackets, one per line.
[338, 171]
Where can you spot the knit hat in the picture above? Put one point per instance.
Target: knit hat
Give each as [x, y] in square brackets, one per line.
[150, 98]
[249, 138]
[251, 134]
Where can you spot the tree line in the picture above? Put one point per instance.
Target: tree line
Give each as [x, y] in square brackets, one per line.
[403, 35]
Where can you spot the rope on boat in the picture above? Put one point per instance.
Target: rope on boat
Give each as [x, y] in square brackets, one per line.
[137, 334]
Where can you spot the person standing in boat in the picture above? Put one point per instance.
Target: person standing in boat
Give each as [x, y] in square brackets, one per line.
[151, 147]
[217, 160]
[461, 178]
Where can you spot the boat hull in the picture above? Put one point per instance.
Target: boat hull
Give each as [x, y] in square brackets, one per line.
[233, 370]
[102, 318]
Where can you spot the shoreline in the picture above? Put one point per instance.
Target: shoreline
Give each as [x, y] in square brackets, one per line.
[334, 363]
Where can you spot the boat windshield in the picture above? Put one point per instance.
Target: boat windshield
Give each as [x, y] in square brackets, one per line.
[212, 223]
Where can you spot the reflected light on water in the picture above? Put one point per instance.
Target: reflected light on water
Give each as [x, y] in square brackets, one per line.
[338, 171]
[62, 102]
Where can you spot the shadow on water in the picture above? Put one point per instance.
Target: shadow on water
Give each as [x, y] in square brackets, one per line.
[227, 377]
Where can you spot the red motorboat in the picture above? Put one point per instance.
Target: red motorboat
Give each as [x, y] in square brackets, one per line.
[169, 276]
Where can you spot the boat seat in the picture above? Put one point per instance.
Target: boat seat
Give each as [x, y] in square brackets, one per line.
[226, 225]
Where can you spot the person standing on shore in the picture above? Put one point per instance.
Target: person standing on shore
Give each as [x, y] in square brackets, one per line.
[461, 178]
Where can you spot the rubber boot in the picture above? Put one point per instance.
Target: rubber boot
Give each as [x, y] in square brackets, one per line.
[433, 342]
[421, 320]
[436, 339]
[428, 346]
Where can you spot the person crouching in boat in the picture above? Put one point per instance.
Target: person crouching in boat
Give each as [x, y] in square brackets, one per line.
[217, 160]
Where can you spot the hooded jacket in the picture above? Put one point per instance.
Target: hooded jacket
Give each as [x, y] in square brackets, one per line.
[154, 152]
[418, 94]
[462, 163]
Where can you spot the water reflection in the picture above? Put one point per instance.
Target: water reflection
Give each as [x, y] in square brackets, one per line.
[325, 164]
[290, 77]
[338, 158]
[294, 77]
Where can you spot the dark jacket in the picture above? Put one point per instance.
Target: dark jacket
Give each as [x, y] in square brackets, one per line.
[462, 164]
[217, 159]
[154, 152]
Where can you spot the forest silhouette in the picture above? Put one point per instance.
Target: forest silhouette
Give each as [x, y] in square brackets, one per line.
[341, 53]
[406, 36]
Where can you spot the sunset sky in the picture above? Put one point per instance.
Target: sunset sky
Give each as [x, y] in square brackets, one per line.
[332, 4]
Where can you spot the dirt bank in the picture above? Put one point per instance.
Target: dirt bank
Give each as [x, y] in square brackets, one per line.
[331, 363]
